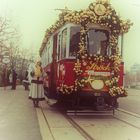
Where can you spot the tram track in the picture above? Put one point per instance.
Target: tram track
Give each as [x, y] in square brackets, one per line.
[69, 113]
[129, 115]
[128, 112]
[86, 127]
[70, 129]
[87, 135]
[127, 123]
[110, 113]
[78, 127]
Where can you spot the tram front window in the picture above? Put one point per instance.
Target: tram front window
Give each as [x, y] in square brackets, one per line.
[74, 40]
[97, 42]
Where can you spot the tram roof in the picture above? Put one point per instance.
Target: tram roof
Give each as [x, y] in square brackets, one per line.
[99, 12]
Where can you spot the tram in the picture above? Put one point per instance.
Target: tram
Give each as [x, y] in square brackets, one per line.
[81, 57]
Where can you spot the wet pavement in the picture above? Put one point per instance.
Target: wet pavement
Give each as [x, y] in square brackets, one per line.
[18, 118]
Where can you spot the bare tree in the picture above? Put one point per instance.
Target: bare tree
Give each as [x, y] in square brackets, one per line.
[8, 34]
[19, 57]
[7, 31]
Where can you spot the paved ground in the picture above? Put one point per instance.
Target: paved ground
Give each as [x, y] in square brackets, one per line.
[18, 118]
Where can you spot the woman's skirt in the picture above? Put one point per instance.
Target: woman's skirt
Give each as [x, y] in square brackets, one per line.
[36, 90]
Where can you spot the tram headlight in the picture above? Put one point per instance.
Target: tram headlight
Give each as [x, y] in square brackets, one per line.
[97, 84]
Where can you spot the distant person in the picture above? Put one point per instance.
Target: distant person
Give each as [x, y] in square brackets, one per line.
[10, 78]
[14, 79]
[26, 81]
[36, 93]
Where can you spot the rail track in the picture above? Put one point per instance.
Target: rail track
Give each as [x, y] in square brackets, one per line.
[127, 117]
[112, 113]
[78, 127]
[87, 124]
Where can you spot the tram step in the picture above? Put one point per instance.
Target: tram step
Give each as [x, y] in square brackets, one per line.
[89, 112]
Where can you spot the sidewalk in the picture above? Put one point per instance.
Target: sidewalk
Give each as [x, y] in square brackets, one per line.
[18, 118]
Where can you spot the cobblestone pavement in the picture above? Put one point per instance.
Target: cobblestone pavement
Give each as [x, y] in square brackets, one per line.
[18, 118]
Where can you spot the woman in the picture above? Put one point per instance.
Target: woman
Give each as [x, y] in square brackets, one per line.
[36, 90]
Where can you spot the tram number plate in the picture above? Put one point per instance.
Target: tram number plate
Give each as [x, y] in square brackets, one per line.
[97, 94]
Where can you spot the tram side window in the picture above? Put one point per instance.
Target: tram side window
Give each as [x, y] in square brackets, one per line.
[63, 43]
[46, 56]
[74, 40]
[48, 53]
[97, 42]
[59, 46]
[49, 59]
[43, 59]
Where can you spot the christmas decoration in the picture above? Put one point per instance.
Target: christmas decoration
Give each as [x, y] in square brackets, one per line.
[103, 14]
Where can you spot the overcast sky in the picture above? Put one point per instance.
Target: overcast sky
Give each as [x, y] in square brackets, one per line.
[33, 17]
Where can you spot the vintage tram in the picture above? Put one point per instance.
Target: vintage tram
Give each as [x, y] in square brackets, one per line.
[81, 57]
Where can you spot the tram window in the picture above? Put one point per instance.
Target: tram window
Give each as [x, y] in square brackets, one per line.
[63, 44]
[59, 46]
[74, 40]
[46, 56]
[42, 59]
[97, 42]
[49, 54]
